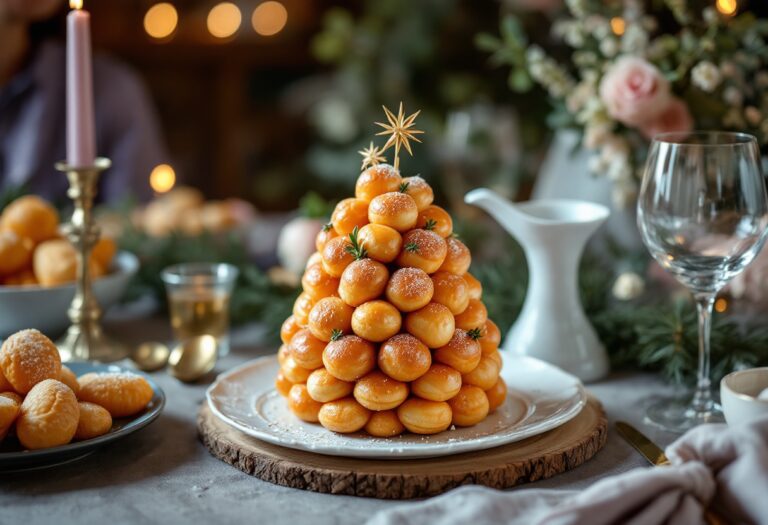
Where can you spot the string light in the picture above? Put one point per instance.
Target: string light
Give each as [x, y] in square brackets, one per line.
[269, 18]
[224, 20]
[721, 305]
[618, 25]
[163, 178]
[161, 20]
[727, 7]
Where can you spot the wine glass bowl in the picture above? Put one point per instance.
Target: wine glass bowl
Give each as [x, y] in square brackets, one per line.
[702, 213]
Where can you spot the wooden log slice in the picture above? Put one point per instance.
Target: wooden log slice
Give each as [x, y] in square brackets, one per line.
[532, 459]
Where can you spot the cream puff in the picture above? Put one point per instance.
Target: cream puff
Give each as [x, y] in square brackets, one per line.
[435, 219]
[330, 317]
[376, 181]
[376, 321]
[349, 214]
[419, 191]
[384, 424]
[307, 350]
[433, 325]
[484, 375]
[439, 383]
[462, 351]
[378, 391]
[349, 357]
[457, 258]
[394, 209]
[344, 415]
[451, 290]
[302, 404]
[382, 243]
[469, 406]
[404, 358]
[363, 281]
[421, 416]
[474, 316]
[422, 249]
[323, 387]
[496, 395]
[409, 289]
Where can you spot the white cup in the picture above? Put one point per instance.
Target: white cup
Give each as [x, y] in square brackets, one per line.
[738, 395]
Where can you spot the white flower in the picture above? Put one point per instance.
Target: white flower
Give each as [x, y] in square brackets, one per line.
[710, 15]
[592, 22]
[753, 115]
[577, 7]
[624, 194]
[609, 47]
[732, 96]
[596, 135]
[634, 40]
[573, 36]
[535, 54]
[628, 286]
[706, 76]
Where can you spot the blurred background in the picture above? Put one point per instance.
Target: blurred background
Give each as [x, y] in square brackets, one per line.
[267, 100]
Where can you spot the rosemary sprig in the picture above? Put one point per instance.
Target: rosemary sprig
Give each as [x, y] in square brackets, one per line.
[475, 334]
[412, 247]
[430, 224]
[356, 249]
[336, 334]
[327, 226]
[404, 187]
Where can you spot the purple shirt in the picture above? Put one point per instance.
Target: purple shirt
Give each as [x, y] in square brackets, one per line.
[32, 128]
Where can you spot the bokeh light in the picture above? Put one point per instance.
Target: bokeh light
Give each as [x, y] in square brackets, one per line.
[161, 20]
[269, 18]
[721, 305]
[163, 178]
[75, 4]
[727, 7]
[224, 20]
[618, 25]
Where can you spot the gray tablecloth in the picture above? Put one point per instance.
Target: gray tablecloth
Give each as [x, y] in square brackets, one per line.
[163, 474]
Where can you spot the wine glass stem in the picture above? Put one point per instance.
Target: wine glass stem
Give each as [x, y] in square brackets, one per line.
[702, 396]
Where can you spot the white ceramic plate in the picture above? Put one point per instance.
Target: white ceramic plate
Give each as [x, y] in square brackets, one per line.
[541, 397]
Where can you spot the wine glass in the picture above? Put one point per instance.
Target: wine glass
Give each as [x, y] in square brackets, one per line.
[703, 214]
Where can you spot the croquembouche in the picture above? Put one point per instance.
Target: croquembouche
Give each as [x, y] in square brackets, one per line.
[390, 333]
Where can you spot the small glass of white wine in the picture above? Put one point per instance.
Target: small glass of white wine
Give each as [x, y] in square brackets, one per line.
[198, 300]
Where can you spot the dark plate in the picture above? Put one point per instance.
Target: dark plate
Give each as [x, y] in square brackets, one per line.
[13, 458]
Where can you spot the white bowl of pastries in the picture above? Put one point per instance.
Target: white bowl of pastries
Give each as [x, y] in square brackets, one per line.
[38, 269]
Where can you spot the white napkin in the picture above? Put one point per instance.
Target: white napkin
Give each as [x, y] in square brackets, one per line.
[725, 467]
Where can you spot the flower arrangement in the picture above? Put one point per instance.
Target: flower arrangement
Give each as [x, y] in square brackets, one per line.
[632, 71]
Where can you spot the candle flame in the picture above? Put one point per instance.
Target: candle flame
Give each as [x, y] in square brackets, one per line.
[163, 178]
[76, 4]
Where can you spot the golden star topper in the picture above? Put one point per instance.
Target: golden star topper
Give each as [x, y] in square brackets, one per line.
[401, 132]
[372, 155]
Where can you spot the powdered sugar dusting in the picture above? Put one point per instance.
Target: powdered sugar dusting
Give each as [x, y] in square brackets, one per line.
[411, 283]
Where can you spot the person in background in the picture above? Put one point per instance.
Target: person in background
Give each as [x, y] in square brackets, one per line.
[32, 109]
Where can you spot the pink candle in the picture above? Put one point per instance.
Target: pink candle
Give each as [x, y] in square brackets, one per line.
[81, 135]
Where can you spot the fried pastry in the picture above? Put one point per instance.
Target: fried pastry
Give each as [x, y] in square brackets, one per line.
[122, 394]
[324, 387]
[69, 378]
[378, 391]
[344, 415]
[302, 404]
[450, 290]
[15, 252]
[409, 289]
[462, 352]
[474, 316]
[306, 350]
[484, 375]
[439, 383]
[382, 243]
[418, 189]
[348, 214]
[48, 416]
[376, 321]
[404, 358]
[28, 357]
[30, 217]
[329, 316]
[94, 421]
[496, 395]
[384, 424]
[375, 181]
[10, 404]
[458, 258]
[363, 281]
[421, 416]
[349, 357]
[469, 406]
[433, 325]
[394, 209]
[422, 249]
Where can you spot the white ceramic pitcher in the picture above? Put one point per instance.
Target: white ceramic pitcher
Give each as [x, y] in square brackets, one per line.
[552, 325]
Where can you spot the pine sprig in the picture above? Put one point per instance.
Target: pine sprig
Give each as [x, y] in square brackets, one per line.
[357, 248]
[404, 187]
[475, 334]
[430, 224]
[411, 247]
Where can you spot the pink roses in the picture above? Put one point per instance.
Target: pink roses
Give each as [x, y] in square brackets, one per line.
[636, 94]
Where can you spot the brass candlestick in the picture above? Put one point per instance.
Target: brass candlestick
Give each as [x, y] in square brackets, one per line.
[85, 340]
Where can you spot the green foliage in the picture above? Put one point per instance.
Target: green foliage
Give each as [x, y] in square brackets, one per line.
[647, 333]
[313, 206]
[11, 194]
[509, 49]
